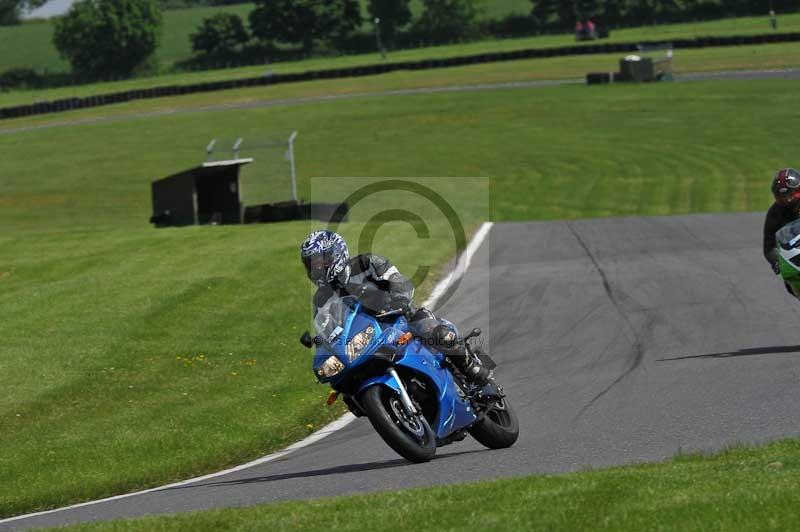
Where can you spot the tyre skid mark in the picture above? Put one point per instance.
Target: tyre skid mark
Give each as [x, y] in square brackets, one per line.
[638, 346]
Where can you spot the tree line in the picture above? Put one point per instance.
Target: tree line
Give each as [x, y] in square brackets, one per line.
[560, 14]
[104, 39]
[11, 10]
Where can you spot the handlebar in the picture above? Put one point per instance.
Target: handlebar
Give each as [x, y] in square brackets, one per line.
[395, 312]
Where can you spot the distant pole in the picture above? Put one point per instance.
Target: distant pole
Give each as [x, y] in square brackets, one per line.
[381, 49]
[291, 163]
[773, 19]
[210, 149]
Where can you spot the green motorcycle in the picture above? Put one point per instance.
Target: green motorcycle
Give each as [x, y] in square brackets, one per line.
[788, 245]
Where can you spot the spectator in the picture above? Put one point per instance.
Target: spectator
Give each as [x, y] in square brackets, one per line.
[773, 20]
[591, 30]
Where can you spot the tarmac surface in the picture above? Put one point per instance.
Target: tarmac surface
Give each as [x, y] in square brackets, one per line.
[619, 340]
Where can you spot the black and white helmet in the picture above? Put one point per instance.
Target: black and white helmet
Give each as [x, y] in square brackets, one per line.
[325, 256]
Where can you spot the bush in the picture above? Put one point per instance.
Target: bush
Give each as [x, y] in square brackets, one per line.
[447, 20]
[105, 39]
[511, 26]
[20, 78]
[183, 4]
[304, 21]
[252, 53]
[220, 34]
[30, 79]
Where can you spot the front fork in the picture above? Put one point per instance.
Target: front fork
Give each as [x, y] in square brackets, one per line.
[405, 399]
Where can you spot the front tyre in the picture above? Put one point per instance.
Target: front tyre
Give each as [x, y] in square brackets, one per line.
[410, 436]
[499, 427]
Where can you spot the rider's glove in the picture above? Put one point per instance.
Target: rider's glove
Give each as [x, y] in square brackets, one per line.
[372, 297]
[399, 305]
[776, 267]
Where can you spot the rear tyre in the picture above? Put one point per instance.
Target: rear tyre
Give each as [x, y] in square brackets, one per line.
[499, 427]
[410, 436]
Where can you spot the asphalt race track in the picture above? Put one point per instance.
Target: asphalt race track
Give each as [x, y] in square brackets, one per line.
[620, 340]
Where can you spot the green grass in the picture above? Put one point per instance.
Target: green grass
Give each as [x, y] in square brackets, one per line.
[105, 319]
[131, 357]
[739, 489]
[34, 43]
[572, 67]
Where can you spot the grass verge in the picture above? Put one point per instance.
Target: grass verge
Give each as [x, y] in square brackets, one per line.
[739, 489]
[702, 60]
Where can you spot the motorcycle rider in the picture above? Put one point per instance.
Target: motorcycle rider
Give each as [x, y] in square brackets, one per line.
[381, 288]
[786, 190]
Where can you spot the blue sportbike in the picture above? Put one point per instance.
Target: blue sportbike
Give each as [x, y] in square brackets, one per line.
[414, 398]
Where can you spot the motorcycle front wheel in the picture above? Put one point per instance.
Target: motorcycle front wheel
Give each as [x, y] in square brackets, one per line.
[409, 435]
[499, 427]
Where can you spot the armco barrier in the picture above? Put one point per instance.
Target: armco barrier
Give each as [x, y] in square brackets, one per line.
[366, 70]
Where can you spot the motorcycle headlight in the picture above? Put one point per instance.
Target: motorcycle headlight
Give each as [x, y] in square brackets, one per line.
[359, 342]
[330, 367]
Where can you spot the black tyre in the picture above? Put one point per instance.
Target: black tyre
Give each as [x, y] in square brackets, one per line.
[499, 427]
[410, 437]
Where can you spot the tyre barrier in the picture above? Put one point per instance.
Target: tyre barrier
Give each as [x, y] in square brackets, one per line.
[290, 210]
[69, 104]
[598, 78]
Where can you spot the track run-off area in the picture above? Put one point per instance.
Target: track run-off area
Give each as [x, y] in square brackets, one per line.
[733, 75]
[619, 340]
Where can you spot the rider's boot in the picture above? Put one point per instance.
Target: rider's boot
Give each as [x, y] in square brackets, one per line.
[475, 373]
[455, 350]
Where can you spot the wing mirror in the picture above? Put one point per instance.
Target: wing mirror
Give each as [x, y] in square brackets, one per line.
[307, 340]
[475, 332]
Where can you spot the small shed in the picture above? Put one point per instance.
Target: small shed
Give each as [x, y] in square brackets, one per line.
[207, 194]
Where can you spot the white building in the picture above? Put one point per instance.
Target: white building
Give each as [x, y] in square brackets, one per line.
[52, 8]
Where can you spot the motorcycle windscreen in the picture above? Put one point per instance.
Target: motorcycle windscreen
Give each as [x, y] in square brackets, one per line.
[788, 236]
[331, 318]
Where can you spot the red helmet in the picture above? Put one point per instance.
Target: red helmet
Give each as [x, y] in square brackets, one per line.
[786, 187]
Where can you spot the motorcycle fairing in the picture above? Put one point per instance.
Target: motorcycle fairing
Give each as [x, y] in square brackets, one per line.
[455, 412]
[355, 323]
[788, 248]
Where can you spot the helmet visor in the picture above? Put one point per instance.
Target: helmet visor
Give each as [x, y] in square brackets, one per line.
[317, 268]
[788, 192]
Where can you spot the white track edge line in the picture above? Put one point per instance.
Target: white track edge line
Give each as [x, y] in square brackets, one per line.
[461, 266]
[440, 288]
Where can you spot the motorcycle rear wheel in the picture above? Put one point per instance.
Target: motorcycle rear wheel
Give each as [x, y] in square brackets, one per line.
[499, 427]
[410, 436]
